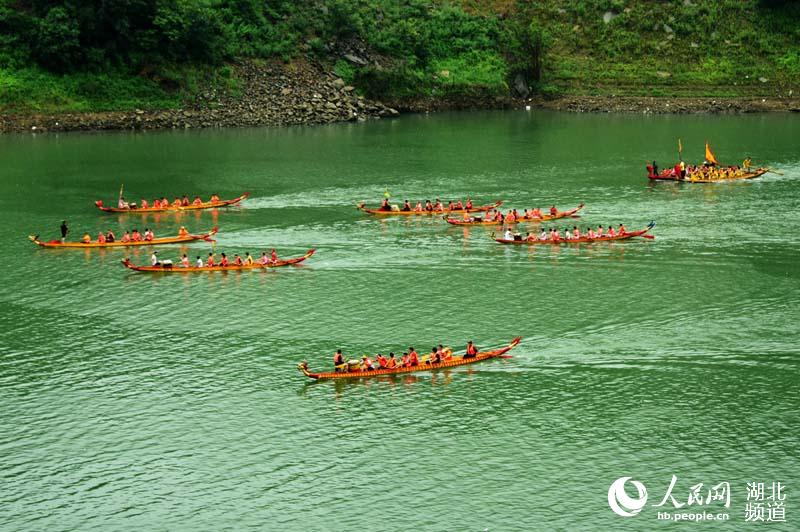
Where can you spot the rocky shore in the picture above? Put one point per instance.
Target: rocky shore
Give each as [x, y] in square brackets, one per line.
[278, 94]
[271, 94]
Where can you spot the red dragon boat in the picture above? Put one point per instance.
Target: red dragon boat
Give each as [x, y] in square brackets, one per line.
[172, 268]
[379, 212]
[118, 244]
[624, 236]
[456, 360]
[712, 175]
[174, 208]
[542, 218]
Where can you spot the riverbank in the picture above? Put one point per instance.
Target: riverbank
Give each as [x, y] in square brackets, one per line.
[304, 93]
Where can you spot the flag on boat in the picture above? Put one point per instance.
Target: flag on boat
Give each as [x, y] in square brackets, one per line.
[386, 193]
[680, 149]
[710, 155]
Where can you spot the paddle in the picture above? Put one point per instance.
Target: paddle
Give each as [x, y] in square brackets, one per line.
[651, 237]
[774, 171]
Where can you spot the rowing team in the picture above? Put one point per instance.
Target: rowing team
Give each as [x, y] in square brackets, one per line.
[164, 203]
[223, 261]
[513, 216]
[409, 359]
[429, 207]
[553, 235]
[133, 236]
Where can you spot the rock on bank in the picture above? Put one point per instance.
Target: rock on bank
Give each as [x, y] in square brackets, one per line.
[271, 94]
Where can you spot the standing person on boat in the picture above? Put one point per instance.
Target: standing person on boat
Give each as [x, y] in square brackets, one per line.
[746, 164]
[406, 206]
[64, 231]
[110, 236]
[199, 263]
[466, 216]
[338, 361]
[472, 351]
[413, 357]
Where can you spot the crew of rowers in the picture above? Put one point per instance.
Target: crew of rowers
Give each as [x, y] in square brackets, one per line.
[437, 206]
[411, 358]
[164, 203]
[511, 217]
[554, 235]
[211, 262]
[704, 171]
[133, 236]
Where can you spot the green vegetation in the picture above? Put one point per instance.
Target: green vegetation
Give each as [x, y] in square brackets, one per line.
[124, 54]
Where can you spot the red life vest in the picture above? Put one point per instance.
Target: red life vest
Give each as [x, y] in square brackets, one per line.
[471, 350]
[413, 358]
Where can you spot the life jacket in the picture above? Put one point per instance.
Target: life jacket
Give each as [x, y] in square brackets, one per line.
[148, 236]
[382, 361]
[459, 205]
[185, 262]
[126, 237]
[214, 198]
[576, 233]
[418, 208]
[183, 232]
[210, 262]
[101, 238]
[274, 257]
[553, 210]
[404, 360]
[599, 232]
[197, 201]
[469, 204]
[223, 261]
[413, 358]
[611, 232]
[622, 229]
[391, 363]
[338, 359]
[238, 261]
[471, 350]
[136, 236]
[177, 202]
[185, 202]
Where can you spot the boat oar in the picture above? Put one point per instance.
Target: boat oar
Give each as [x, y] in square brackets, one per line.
[774, 171]
[651, 237]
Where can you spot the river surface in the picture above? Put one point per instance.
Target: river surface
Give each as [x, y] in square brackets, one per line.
[134, 401]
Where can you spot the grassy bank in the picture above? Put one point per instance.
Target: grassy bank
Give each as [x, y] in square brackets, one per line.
[153, 54]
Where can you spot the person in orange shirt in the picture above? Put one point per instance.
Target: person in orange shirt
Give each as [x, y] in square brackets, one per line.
[471, 350]
[197, 201]
[224, 260]
[210, 261]
[553, 210]
[136, 236]
[413, 357]
[126, 237]
[392, 362]
[214, 198]
[273, 256]
[86, 238]
[101, 238]
[237, 260]
[182, 232]
[382, 361]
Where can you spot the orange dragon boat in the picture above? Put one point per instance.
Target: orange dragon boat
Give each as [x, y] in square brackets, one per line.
[171, 268]
[190, 207]
[538, 219]
[379, 212]
[456, 360]
[624, 236]
[117, 244]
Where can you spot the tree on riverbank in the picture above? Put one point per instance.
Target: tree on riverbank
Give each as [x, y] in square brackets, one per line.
[121, 54]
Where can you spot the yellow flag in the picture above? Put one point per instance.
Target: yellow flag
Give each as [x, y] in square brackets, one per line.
[386, 193]
[710, 155]
[680, 147]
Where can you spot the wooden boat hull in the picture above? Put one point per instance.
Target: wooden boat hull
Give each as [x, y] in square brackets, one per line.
[378, 212]
[117, 244]
[668, 175]
[194, 269]
[543, 218]
[454, 362]
[171, 208]
[583, 240]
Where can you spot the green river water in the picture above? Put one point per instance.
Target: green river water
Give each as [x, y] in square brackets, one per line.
[132, 401]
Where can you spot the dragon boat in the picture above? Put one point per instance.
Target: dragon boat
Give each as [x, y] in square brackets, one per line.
[624, 236]
[118, 244]
[171, 268]
[698, 177]
[537, 219]
[175, 208]
[456, 360]
[378, 212]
